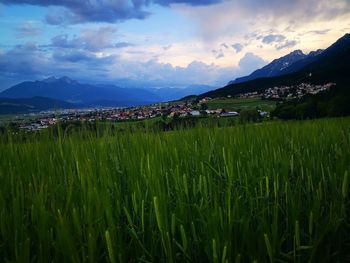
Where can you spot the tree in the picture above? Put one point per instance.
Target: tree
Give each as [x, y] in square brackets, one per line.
[249, 115]
[204, 106]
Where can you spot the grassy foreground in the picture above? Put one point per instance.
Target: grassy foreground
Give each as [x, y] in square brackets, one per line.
[274, 192]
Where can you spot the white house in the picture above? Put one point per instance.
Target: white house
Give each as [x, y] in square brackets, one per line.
[229, 114]
[195, 113]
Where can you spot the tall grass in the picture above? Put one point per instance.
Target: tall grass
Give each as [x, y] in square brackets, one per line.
[273, 192]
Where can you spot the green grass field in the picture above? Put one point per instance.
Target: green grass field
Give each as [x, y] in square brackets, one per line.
[237, 104]
[5, 119]
[267, 192]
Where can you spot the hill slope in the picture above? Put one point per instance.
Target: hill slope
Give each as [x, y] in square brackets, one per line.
[35, 104]
[275, 68]
[332, 65]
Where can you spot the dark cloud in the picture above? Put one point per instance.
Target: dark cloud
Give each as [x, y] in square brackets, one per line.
[27, 29]
[54, 19]
[22, 60]
[123, 45]
[91, 39]
[188, 2]
[73, 56]
[89, 11]
[57, 17]
[286, 44]
[319, 32]
[218, 53]
[278, 40]
[77, 11]
[165, 48]
[84, 59]
[273, 38]
[63, 41]
[25, 62]
[237, 47]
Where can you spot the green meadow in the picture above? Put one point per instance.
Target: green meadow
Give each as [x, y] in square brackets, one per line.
[242, 103]
[266, 192]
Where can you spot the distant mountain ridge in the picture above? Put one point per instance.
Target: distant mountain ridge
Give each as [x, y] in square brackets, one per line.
[100, 95]
[287, 64]
[72, 91]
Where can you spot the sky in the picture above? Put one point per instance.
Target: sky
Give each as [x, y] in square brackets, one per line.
[159, 43]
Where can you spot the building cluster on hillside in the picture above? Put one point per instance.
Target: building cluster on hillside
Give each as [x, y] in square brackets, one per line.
[296, 91]
[249, 95]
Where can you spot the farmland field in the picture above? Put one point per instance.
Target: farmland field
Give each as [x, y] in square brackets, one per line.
[267, 192]
[246, 103]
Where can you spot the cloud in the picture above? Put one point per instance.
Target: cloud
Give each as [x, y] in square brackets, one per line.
[250, 62]
[165, 48]
[286, 44]
[215, 22]
[188, 2]
[29, 62]
[23, 60]
[273, 38]
[123, 45]
[63, 41]
[77, 11]
[90, 39]
[237, 47]
[218, 53]
[55, 19]
[61, 16]
[97, 39]
[279, 41]
[319, 32]
[27, 29]
[73, 56]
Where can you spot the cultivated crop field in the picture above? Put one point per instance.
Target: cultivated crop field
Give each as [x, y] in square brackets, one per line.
[269, 192]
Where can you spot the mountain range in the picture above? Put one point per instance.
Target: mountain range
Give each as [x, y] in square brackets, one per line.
[87, 95]
[72, 91]
[287, 64]
[329, 65]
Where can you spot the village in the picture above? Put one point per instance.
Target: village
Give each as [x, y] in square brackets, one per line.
[297, 91]
[288, 92]
[178, 109]
[170, 110]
